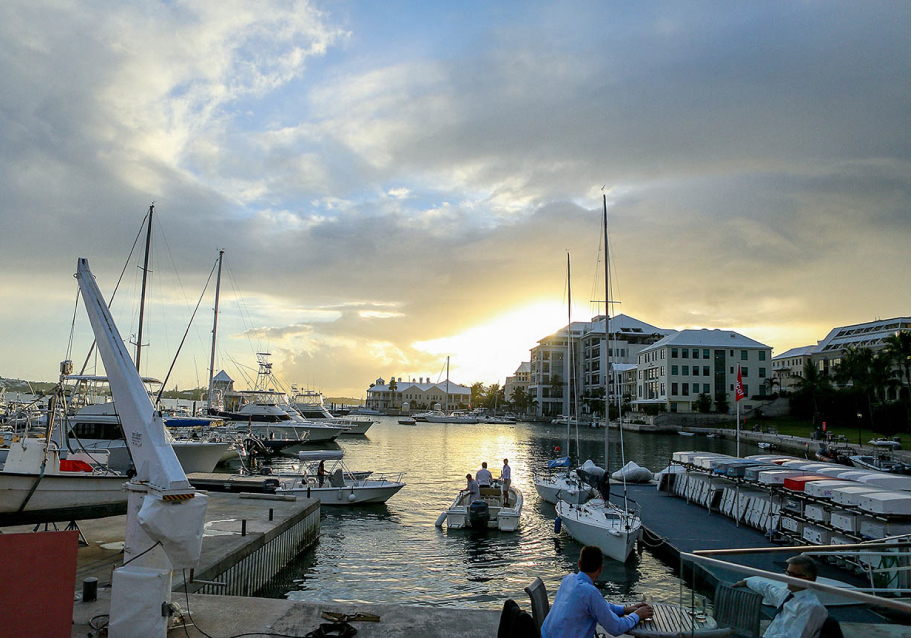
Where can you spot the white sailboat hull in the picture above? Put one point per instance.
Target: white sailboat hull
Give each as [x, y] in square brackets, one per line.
[362, 493]
[616, 535]
[194, 456]
[561, 488]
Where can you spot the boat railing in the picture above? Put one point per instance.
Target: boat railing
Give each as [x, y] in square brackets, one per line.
[896, 548]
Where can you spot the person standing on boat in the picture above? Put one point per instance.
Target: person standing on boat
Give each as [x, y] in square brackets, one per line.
[799, 613]
[505, 482]
[483, 476]
[472, 489]
[321, 473]
[579, 605]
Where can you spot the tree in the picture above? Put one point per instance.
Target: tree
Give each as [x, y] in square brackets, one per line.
[704, 403]
[520, 400]
[772, 382]
[493, 396]
[594, 400]
[478, 394]
[557, 386]
[721, 402]
[813, 383]
[393, 386]
[897, 350]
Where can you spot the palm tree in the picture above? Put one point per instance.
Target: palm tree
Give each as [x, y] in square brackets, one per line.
[812, 381]
[393, 386]
[897, 349]
[772, 382]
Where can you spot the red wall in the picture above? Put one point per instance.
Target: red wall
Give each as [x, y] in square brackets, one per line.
[37, 583]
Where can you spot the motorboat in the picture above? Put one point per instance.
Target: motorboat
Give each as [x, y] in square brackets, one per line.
[891, 444]
[486, 512]
[566, 485]
[41, 483]
[451, 417]
[339, 485]
[309, 404]
[683, 433]
[880, 463]
[97, 427]
[407, 420]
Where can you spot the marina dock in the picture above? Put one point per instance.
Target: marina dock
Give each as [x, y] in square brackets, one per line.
[673, 526]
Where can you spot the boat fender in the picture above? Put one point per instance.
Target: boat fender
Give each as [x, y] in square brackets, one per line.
[557, 525]
[440, 519]
[351, 497]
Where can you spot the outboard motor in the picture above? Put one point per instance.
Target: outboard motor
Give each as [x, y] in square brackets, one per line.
[270, 485]
[479, 515]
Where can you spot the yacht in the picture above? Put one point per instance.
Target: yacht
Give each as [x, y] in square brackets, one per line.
[310, 405]
[339, 486]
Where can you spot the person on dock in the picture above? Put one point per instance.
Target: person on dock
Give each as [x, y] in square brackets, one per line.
[471, 489]
[579, 606]
[483, 476]
[505, 482]
[798, 611]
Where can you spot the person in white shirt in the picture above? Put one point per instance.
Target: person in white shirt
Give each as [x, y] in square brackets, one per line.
[505, 483]
[472, 489]
[799, 613]
[483, 476]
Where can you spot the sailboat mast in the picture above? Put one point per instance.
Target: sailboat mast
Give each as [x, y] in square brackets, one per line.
[569, 376]
[446, 399]
[142, 298]
[607, 331]
[218, 286]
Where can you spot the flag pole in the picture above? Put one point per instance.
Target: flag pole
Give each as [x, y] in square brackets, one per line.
[738, 427]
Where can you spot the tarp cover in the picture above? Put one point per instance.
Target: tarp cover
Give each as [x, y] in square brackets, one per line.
[633, 473]
[178, 525]
[563, 461]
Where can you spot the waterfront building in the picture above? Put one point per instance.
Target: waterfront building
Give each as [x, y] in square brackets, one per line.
[871, 335]
[549, 372]
[627, 338]
[673, 372]
[520, 379]
[420, 394]
[789, 365]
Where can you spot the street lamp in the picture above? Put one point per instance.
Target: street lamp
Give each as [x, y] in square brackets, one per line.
[859, 427]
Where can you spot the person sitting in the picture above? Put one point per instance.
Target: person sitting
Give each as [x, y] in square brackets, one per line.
[579, 606]
[799, 613]
[483, 476]
[472, 489]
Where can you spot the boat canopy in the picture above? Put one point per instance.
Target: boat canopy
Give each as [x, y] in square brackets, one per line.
[321, 455]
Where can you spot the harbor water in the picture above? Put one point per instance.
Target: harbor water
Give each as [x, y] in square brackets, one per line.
[393, 553]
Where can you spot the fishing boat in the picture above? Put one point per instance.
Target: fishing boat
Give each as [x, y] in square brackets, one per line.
[891, 444]
[613, 527]
[486, 512]
[880, 463]
[340, 486]
[309, 405]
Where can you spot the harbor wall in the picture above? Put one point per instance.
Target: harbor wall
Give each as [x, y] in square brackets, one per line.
[245, 571]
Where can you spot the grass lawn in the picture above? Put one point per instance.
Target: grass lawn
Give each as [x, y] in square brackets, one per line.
[798, 427]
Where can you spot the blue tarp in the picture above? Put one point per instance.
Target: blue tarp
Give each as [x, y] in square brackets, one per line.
[564, 461]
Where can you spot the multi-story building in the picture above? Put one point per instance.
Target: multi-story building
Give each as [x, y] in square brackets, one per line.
[789, 365]
[627, 337]
[676, 370]
[869, 335]
[420, 394]
[520, 379]
[549, 373]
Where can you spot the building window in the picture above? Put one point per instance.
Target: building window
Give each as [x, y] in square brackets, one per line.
[684, 353]
[744, 355]
[746, 391]
[762, 354]
[686, 371]
[705, 388]
[674, 389]
[762, 373]
[685, 387]
[706, 369]
[706, 353]
[744, 373]
[674, 406]
[674, 370]
[674, 353]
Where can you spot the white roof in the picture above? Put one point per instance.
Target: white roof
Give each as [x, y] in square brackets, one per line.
[404, 386]
[706, 338]
[625, 324]
[869, 335]
[803, 351]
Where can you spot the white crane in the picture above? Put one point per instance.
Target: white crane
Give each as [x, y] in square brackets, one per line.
[165, 515]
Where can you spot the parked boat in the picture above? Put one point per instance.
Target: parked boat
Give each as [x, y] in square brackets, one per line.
[486, 512]
[891, 444]
[340, 486]
[457, 416]
[407, 420]
[614, 528]
[309, 405]
[41, 483]
[683, 433]
[880, 463]
[565, 486]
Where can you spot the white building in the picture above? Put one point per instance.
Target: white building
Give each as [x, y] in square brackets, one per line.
[789, 365]
[420, 394]
[676, 370]
[869, 335]
[520, 379]
[549, 375]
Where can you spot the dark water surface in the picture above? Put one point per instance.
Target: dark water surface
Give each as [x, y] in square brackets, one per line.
[393, 553]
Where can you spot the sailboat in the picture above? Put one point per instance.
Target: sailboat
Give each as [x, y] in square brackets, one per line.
[612, 527]
[565, 485]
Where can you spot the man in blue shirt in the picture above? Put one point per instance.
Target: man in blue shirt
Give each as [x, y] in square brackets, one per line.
[579, 606]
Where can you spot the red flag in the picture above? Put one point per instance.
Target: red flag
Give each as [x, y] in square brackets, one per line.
[739, 387]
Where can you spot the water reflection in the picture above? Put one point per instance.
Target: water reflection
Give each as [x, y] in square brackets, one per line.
[393, 553]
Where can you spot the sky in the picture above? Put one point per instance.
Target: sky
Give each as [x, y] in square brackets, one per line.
[397, 183]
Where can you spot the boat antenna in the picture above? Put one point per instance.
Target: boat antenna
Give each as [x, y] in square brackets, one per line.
[569, 364]
[142, 298]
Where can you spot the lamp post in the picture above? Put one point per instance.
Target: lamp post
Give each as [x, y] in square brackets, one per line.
[859, 427]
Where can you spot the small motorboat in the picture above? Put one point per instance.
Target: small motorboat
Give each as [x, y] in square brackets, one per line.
[765, 446]
[683, 433]
[340, 486]
[486, 512]
[407, 420]
[891, 444]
